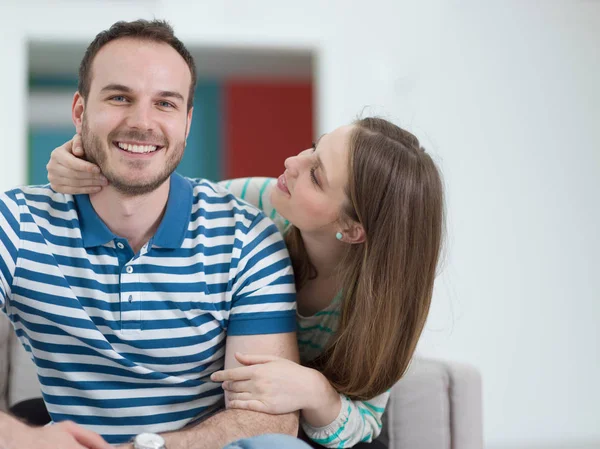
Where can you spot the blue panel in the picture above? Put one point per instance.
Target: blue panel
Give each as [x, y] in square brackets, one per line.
[202, 156]
[48, 82]
[41, 143]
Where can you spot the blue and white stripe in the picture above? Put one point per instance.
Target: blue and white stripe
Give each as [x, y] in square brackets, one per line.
[126, 342]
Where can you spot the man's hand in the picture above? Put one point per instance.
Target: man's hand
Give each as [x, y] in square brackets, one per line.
[66, 435]
[69, 173]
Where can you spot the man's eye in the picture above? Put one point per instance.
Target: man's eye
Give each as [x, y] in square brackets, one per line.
[119, 98]
[165, 104]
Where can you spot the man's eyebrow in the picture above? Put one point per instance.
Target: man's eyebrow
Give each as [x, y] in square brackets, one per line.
[171, 94]
[118, 87]
[123, 88]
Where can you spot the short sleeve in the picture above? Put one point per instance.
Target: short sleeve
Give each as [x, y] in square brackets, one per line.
[263, 290]
[9, 244]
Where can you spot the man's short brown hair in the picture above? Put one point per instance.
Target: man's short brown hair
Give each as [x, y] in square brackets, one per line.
[149, 30]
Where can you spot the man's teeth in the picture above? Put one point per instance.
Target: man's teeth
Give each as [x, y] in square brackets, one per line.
[137, 148]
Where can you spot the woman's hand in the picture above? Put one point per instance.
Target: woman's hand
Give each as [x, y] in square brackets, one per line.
[268, 384]
[69, 173]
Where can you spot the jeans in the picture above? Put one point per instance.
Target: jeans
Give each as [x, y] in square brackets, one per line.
[269, 441]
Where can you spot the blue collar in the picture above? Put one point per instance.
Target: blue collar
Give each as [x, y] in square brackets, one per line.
[170, 232]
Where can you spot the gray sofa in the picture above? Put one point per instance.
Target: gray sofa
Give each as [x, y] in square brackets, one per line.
[437, 405]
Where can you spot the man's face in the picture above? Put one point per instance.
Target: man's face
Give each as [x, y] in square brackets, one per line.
[135, 119]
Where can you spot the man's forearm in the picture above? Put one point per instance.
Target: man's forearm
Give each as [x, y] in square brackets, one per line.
[230, 425]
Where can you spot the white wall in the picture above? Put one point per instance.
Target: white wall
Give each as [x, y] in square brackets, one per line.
[506, 95]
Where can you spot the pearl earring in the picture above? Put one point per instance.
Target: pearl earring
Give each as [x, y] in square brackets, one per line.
[339, 236]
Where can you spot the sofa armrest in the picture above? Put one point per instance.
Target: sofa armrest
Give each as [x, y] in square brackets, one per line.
[466, 406]
[436, 405]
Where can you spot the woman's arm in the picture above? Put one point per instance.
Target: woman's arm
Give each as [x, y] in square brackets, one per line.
[357, 421]
[257, 192]
[273, 385]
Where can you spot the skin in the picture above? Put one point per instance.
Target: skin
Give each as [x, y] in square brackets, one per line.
[65, 435]
[313, 204]
[141, 99]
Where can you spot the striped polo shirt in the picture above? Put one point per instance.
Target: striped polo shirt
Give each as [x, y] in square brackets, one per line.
[124, 342]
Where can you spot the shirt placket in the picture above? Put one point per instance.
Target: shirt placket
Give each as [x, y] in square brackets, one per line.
[129, 292]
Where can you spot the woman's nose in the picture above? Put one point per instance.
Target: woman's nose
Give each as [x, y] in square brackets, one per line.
[291, 165]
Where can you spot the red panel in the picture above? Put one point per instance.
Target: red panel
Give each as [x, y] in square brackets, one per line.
[265, 123]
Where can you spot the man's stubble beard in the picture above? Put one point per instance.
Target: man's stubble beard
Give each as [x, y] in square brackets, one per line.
[94, 153]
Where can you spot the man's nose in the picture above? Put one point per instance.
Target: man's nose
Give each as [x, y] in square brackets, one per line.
[140, 117]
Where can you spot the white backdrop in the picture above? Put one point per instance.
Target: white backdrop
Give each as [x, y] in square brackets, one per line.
[507, 97]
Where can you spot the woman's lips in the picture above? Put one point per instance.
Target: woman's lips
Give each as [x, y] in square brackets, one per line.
[282, 185]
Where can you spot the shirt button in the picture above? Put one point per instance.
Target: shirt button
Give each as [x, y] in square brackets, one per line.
[129, 269]
[120, 245]
[130, 298]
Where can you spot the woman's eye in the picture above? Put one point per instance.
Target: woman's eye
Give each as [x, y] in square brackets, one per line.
[313, 176]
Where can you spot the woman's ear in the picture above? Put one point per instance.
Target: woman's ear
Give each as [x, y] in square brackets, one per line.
[354, 233]
[77, 111]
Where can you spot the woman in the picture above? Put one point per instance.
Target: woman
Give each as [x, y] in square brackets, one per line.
[362, 214]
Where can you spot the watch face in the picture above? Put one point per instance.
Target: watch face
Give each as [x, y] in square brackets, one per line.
[149, 441]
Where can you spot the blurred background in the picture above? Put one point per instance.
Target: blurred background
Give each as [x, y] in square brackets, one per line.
[505, 95]
[252, 108]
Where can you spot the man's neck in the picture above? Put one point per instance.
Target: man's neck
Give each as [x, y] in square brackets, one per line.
[135, 218]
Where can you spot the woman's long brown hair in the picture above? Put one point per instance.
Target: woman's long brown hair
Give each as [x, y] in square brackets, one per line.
[395, 192]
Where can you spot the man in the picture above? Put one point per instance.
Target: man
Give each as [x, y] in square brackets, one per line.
[130, 298]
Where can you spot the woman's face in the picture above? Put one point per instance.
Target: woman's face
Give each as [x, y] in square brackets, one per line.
[311, 192]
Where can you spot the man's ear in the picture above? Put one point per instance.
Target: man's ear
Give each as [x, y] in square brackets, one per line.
[189, 122]
[354, 233]
[77, 110]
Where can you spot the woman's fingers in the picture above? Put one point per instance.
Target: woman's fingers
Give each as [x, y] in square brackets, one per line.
[252, 404]
[70, 155]
[58, 173]
[238, 387]
[252, 359]
[78, 146]
[72, 162]
[239, 396]
[70, 190]
[242, 373]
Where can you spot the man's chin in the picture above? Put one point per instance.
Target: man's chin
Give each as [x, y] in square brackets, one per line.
[135, 186]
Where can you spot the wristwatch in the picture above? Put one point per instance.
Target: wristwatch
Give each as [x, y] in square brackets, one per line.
[149, 441]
